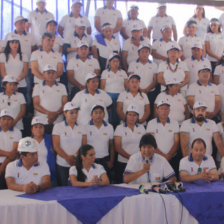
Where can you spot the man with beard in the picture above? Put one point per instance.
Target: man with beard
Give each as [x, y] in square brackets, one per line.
[200, 127]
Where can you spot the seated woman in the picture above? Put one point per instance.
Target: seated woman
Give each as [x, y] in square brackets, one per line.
[198, 166]
[148, 166]
[86, 173]
[45, 147]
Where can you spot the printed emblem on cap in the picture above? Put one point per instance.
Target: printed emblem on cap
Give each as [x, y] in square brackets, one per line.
[27, 143]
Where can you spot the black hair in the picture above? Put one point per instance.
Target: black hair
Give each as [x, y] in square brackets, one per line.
[148, 139]
[83, 150]
[23, 153]
[49, 35]
[98, 107]
[139, 91]
[221, 61]
[199, 140]
[8, 50]
[203, 14]
[190, 22]
[209, 30]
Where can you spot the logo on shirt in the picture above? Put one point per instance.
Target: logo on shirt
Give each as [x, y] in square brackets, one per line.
[170, 130]
[104, 133]
[35, 174]
[11, 137]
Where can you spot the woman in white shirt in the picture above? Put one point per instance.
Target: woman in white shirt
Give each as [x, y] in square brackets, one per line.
[114, 81]
[86, 173]
[126, 140]
[214, 43]
[14, 63]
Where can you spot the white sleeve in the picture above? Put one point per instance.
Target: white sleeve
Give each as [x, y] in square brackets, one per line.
[121, 97]
[18, 136]
[131, 67]
[104, 75]
[118, 131]
[64, 91]
[185, 127]
[183, 166]
[100, 170]
[36, 90]
[191, 90]
[22, 99]
[125, 46]
[10, 170]
[2, 58]
[167, 169]
[57, 129]
[34, 56]
[96, 64]
[70, 64]
[131, 165]
[73, 171]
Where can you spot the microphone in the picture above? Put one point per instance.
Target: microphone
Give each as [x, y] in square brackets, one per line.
[179, 186]
[171, 187]
[147, 160]
[158, 189]
[142, 189]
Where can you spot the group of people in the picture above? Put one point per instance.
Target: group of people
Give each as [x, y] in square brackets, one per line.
[108, 114]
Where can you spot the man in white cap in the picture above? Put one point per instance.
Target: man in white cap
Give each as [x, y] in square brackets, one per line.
[203, 90]
[132, 18]
[166, 133]
[157, 22]
[86, 98]
[79, 67]
[66, 26]
[49, 97]
[194, 61]
[9, 138]
[38, 18]
[108, 14]
[190, 39]
[131, 45]
[97, 129]
[43, 56]
[200, 127]
[159, 47]
[71, 43]
[147, 70]
[51, 27]
[27, 174]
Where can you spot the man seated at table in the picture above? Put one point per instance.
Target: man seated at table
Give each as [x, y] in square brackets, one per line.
[148, 166]
[198, 166]
[27, 174]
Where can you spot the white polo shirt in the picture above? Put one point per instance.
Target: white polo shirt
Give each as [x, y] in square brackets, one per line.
[95, 170]
[7, 139]
[160, 168]
[129, 139]
[202, 26]
[186, 42]
[221, 130]
[219, 71]
[132, 49]
[73, 41]
[105, 133]
[177, 105]
[82, 68]
[42, 151]
[145, 71]
[179, 74]
[85, 101]
[114, 81]
[216, 42]
[68, 24]
[108, 16]
[221, 92]
[106, 47]
[157, 22]
[38, 23]
[58, 42]
[221, 20]
[26, 40]
[43, 58]
[187, 164]
[14, 66]
[50, 98]
[160, 46]
[70, 140]
[13, 103]
[205, 131]
[193, 65]
[164, 135]
[2, 44]
[139, 100]
[128, 24]
[22, 176]
[204, 94]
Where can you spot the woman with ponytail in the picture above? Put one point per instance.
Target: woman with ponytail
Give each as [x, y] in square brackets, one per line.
[86, 173]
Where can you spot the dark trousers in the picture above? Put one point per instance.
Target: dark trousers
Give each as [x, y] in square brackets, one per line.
[119, 171]
[103, 161]
[62, 174]
[2, 181]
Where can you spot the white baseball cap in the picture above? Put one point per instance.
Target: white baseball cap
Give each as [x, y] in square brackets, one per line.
[44, 1]
[197, 45]
[49, 68]
[27, 144]
[80, 22]
[83, 43]
[203, 66]
[136, 26]
[133, 108]
[199, 104]
[173, 45]
[113, 55]
[70, 106]
[19, 18]
[97, 106]
[172, 81]
[9, 78]
[51, 21]
[39, 120]
[6, 112]
[161, 5]
[144, 46]
[12, 36]
[164, 28]
[134, 7]
[76, 2]
[163, 102]
[90, 76]
[134, 76]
